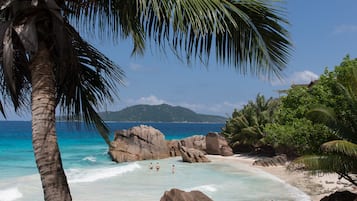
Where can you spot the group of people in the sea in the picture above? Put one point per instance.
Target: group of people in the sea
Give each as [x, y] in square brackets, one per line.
[157, 167]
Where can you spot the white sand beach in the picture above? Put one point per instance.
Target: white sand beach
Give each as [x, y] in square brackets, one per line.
[316, 186]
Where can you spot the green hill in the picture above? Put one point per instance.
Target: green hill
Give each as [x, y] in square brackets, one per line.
[159, 113]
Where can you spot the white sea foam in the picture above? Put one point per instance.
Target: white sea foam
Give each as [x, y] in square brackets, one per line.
[204, 188]
[91, 175]
[90, 158]
[10, 194]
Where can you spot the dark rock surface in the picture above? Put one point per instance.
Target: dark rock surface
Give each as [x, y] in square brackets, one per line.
[272, 161]
[179, 195]
[341, 196]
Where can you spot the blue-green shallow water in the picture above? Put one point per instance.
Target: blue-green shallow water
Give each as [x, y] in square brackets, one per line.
[93, 176]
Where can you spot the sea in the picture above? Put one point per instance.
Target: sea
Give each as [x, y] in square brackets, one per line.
[92, 176]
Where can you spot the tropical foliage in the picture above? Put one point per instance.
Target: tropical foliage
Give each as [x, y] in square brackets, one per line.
[246, 126]
[46, 64]
[294, 134]
[339, 156]
[316, 123]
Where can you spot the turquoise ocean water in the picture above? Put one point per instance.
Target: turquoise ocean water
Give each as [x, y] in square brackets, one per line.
[93, 176]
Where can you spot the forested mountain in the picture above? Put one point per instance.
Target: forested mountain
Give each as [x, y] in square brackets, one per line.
[159, 113]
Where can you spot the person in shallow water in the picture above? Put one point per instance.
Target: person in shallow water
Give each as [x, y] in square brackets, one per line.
[173, 169]
[151, 166]
[157, 166]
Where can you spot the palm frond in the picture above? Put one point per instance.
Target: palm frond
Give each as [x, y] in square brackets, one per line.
[322, 114]
[88, 84]
[261, 43]
[247, 34]
[2, 109]
[341, 146]
[13, 68]
[111, 18]
[326, 163]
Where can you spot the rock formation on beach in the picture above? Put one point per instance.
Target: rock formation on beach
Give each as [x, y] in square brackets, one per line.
[196, 142]
[138, 143]
[191, 155]
[179, 195]
[147, 143]
[217, 145]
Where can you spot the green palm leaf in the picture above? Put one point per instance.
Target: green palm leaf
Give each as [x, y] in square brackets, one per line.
[89, 84]
[247, 34]
[326, 163]
[342, 147]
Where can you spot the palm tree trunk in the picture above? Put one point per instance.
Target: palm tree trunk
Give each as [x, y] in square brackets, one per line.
[44, 139]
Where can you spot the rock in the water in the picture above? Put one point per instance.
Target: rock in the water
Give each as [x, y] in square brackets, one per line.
[217, 145]
[179, 195]
[341, 196]
[192, 155]
[138, 143]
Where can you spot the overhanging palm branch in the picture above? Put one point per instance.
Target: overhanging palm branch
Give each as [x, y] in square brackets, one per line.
[85, 78]
[248, 34]
[344, 166]
[341, 147]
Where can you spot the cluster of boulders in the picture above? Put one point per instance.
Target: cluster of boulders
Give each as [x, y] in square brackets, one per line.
[148, 143]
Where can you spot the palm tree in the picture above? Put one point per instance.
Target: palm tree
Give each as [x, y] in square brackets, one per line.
[339, 156]
[46, 64]
[247, 125]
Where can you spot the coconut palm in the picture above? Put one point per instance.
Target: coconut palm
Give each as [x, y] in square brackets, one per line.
[339, 156]
[247, 125]
[46, 64]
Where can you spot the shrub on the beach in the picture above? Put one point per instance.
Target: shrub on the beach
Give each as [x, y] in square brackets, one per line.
[300, 137]
[339, 156]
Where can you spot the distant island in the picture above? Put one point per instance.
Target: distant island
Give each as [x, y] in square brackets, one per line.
[159, 113]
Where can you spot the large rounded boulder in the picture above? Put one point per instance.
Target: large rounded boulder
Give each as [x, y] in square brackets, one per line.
[179, 195]
[138, 143]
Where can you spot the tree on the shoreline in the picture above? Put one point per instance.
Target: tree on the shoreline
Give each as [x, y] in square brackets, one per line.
[46, 64]
[246, 126]
[340, 155]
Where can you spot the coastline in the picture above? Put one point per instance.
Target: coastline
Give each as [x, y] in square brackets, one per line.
[315, 186]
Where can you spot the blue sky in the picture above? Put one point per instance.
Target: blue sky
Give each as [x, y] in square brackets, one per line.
[323, 32]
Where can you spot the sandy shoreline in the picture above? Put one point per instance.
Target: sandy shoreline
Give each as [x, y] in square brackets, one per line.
[316, 186]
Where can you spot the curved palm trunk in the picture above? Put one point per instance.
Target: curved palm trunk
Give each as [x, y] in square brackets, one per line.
[44, 139]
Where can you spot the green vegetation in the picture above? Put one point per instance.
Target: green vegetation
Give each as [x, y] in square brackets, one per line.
[317, 122]
[245, 127]
[159, 113]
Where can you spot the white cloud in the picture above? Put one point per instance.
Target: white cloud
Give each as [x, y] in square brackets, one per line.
[303, 77]
[135, 67]
[149, 100]
[345, 29]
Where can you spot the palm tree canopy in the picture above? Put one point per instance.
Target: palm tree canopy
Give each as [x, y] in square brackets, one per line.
[85, 78]
[249, 34]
